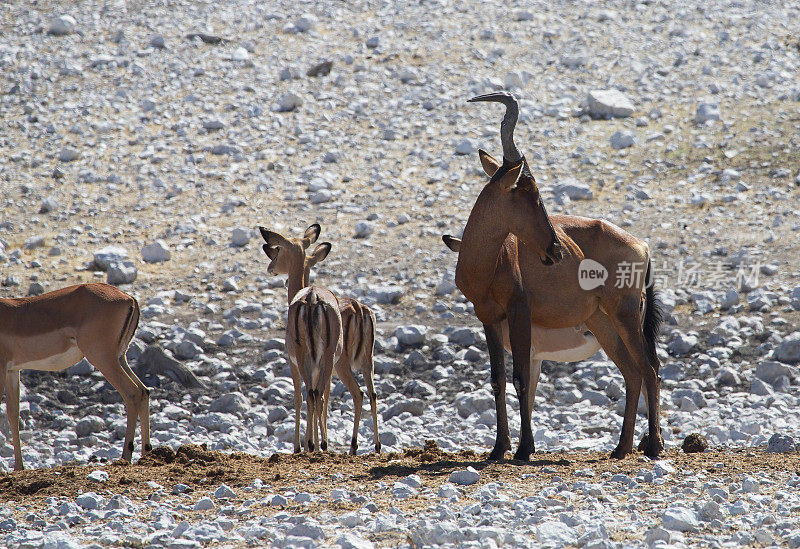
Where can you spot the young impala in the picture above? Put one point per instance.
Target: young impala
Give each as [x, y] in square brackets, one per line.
[520, 268]
[358, 333]
[55, 330]
[313, 330]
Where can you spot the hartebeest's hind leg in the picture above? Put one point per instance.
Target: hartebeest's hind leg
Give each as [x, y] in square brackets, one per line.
[494, 341]
[603, 329]
[12, 412]
[628, 324]
[519, 332]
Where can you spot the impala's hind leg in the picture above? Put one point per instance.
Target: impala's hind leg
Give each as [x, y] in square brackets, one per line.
[536, 370]
[368, 370]
[11, 382]
[132, 394]
[144, 408]
[346, 375]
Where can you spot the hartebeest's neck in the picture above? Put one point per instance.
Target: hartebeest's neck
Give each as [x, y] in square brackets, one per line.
[298, 279]
[480, 248]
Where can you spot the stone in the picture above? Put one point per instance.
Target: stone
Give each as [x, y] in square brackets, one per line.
[48, 205]
[780, 444]
[89, 425]
[788, 350]
[110, 254]
[679, 518]
[240, 237]
[157, 361]
[204, 504]
[364, 229]
[305, 22]
[68, 154]
[682, 344]
[622, 139]
[122, 272]
[694, 443]
[373, 42]
[90, 500]
[555, 534]
[187, 350]
[608, 104]
[156, 252]
[240, 54]
[410, 336]
[33, 242]
[464, 477]
[157, 41]
[98, 476]
[574, 190]
[61, 25]
[224, 491]
[230, 403]
[320, 69]
[707, 111]
[386, 295]
[465, 146]
[288, 102]
[769, 371]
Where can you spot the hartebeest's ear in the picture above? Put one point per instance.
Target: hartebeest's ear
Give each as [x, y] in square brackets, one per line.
[489, 163]
[510, 178]
[311, 235]
[319, 253]
[272, 238]
[271, 251]
[452, 242]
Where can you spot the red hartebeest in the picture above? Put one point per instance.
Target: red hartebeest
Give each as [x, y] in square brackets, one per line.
[520, 268]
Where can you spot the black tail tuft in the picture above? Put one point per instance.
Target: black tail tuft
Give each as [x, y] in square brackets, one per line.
[653, 316]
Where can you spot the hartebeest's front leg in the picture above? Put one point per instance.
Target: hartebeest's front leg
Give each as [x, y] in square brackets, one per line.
[519, 331]
[494, 341]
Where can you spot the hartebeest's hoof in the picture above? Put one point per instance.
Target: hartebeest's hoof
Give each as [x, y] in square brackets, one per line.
[619, 452]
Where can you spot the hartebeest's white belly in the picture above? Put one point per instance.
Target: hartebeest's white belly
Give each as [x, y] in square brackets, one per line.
[559, 344]
[45, 352]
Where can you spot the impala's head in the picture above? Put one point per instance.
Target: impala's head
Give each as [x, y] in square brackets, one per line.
[512, 191]
[288, 255]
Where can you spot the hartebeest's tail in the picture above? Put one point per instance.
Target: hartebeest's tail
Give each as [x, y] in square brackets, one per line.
[653, 316]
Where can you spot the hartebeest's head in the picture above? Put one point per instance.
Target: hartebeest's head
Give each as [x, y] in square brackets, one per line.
[512, 191]
[288, 255]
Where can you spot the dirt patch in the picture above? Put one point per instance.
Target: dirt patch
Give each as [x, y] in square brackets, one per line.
[202, 470]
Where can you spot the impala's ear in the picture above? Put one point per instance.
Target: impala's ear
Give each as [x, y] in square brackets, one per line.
[319, 253]
[509, 178]
[489, 163]
[311, 235]
[271, 251]
[272, 238]
[452, 242]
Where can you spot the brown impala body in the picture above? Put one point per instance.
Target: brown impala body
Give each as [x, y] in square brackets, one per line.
[358, 329]
[313, 330]
[520, 269]
[55, 330]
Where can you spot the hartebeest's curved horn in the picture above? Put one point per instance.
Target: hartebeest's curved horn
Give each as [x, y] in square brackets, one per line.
[510, 151]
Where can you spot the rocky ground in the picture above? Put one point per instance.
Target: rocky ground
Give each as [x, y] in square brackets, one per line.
[144, 144]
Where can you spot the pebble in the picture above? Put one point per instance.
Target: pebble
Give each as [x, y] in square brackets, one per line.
[608, 104]
[288, 102]
[68, 154]
[122, 272]
[622, 139]
[156, 252]
[464, 477]
[788, 350]
[680, 518]
[412, 335]
[104, 257]
[707, 111]
[779, 444]
[224, 491]
[364, 229]
[98, 476]
[61, 25]
[240, 237]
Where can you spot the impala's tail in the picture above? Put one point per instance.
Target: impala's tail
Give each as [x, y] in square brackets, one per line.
[653, 315]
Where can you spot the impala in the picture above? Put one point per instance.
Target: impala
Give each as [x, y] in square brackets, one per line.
[358, 336]
[55, 330]
[313, 330]
[520, 269]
